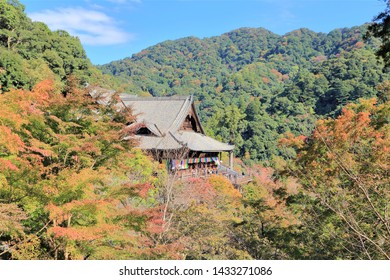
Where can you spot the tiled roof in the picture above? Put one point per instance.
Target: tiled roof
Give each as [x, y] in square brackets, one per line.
[200, 142]
[163, 116]
[159, 114]
[183, 139]
[159, 143]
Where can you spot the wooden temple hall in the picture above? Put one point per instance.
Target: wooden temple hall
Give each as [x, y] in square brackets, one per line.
[169, 128]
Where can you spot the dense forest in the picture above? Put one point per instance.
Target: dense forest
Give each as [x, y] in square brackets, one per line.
[253, 86]
[308, 113]
[30, 53]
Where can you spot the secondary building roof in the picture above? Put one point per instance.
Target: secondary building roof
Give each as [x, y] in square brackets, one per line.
[192, 140]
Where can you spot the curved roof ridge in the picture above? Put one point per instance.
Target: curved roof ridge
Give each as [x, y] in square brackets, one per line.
[154, 129]
[180, 116]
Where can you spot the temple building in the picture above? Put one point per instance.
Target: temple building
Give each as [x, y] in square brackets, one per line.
[169, 128]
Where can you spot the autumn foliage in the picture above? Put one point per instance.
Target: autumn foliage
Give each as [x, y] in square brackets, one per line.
[64, 164]
[71, 188]
[345, 166]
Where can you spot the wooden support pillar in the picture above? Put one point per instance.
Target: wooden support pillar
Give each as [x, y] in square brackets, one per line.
[231, 160]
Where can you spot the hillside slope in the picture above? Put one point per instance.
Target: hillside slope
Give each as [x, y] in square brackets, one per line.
[253, 85]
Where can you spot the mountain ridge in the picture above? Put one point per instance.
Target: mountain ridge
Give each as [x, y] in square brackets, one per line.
[297, 78]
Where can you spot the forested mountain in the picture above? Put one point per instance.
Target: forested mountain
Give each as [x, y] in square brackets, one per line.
[253, 85]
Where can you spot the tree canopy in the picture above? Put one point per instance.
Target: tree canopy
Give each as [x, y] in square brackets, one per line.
[308, 113]
[380, 29]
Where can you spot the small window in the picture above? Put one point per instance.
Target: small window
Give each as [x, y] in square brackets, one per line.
[143, 131]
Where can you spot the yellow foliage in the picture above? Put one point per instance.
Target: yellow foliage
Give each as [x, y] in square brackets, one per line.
[223, 185]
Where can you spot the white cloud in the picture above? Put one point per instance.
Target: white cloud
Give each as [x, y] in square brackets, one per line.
[92, 27]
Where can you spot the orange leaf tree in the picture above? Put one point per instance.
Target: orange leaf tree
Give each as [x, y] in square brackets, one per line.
[63, 160]
[345, 168]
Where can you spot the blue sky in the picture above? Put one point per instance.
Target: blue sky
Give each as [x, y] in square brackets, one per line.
[114, 29]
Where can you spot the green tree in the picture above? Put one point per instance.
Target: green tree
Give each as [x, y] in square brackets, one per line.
[380, 29]
[12, 71]
[344, 167]
[12, 22]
